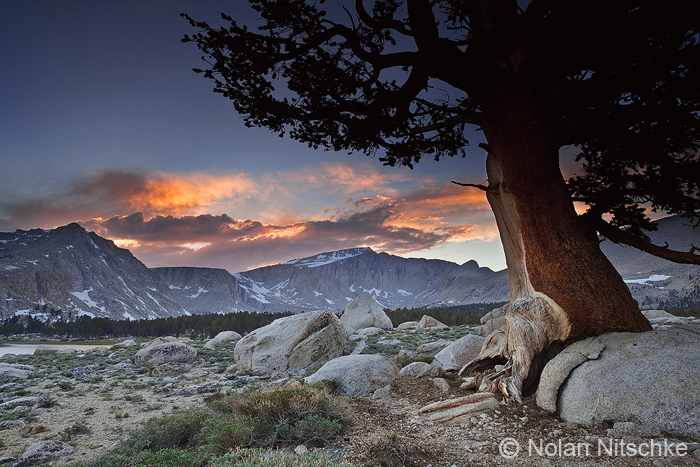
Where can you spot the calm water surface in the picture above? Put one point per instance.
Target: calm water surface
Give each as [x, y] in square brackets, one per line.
[28, 349]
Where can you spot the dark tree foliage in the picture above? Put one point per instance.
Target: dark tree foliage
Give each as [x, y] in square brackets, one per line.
[202, 326]
[615, 79]
[451, 316]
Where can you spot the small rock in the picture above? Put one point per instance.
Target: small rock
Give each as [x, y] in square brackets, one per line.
[389, 342]
[420, 369]
[224, 336]
[45, 349]
[170, 369]
[43, 451]
[279, 382]
[166, 352]
[13, 371]
[381, 393]
[371, 331]
[359, 348]
[159, 340]
[627, 429]
[122, 368]
[34, 430]
[492, 320]
[124, 344]
[441, 384]
[459, 352]
[195, 389]
[408, 325]
[12, 425]
[83, 373]
[20, 401]
[431, 348]
[364, 312]
[428, 321]
[570, 426]
[301, 450]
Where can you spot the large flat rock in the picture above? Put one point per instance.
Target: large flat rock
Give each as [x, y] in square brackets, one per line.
[651, 379]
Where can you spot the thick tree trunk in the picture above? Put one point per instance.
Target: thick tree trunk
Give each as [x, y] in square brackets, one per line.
[562, 287]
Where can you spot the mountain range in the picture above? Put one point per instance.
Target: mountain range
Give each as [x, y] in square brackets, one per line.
[70, 271]
[80, 273]
[656, 282]
[331, 280]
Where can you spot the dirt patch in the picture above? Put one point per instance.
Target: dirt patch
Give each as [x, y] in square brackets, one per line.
[391, 433]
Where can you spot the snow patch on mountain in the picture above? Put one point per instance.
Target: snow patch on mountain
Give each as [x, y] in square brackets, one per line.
[328, 258]
[85, 297]
[200, 290]
[645, 281]
[256, 289]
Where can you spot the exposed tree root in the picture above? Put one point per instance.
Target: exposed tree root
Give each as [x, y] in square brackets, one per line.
[450, 410]
[530, 327]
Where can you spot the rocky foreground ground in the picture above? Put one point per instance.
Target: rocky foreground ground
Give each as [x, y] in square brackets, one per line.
[92, 400]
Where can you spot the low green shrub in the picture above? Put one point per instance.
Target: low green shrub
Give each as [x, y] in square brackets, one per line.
[170, 457]
[225, 433]
[262, 458]
[66, 385]
[173, 431]
[47, 402]
[78, 428]
[308, 415]
[300, 414]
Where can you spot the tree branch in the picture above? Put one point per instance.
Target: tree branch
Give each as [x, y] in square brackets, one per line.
[449, 123]
[490, 189]
[374, 24]
[616, 235]
[463, 116]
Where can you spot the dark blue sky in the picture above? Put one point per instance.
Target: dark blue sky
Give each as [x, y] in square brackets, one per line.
[101, 117]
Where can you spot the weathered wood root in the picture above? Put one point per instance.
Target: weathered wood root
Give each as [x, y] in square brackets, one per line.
[470, 382]
[531, 325]
[450, 403]
[446, 411]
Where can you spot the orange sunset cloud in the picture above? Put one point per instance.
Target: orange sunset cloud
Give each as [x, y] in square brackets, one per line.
[187, 193]
[165, 218]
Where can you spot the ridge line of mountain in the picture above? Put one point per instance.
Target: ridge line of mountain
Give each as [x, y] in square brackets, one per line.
[81, 273]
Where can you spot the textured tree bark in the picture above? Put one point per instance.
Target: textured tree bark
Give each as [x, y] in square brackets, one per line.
[562, 287]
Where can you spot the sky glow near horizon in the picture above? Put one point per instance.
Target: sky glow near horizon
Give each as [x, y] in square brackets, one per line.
[103, 122]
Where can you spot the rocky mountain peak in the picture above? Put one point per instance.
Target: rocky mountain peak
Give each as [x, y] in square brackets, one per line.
[70, 272]
[323, 259]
